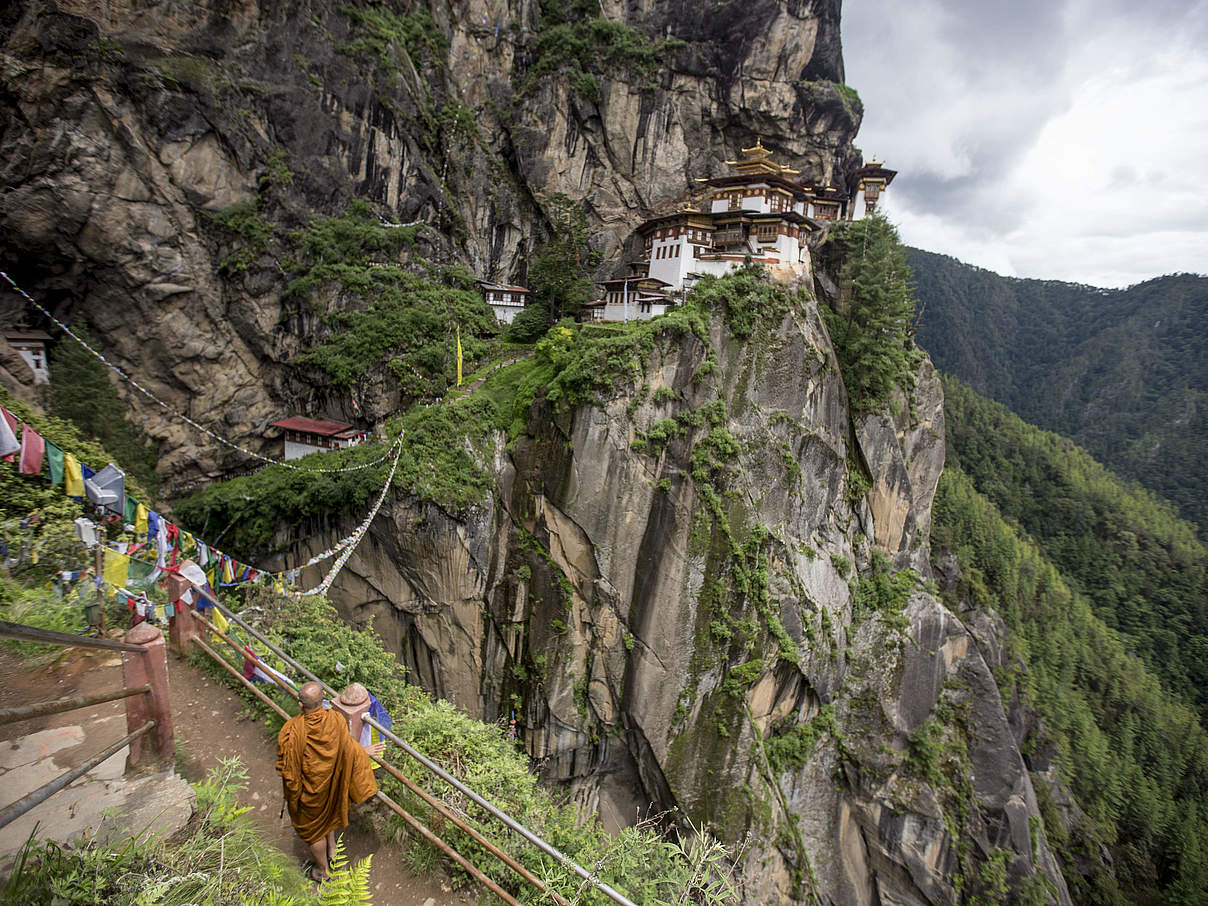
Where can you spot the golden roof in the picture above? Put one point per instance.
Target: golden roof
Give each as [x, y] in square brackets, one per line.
[759, 160]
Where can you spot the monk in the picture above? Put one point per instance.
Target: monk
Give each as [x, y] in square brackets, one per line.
[322, 770]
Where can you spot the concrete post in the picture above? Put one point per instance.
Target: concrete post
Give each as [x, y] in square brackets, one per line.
[150, 666]
[183, 628]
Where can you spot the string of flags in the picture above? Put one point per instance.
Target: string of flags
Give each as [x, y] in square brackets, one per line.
[160, 547]
[355, 538]
[173, 411]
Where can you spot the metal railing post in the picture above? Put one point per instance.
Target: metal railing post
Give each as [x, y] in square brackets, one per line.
[149, 666]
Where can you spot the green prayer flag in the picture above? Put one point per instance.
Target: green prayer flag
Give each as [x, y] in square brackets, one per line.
[54, 457]
[142, 575]
[131, 509]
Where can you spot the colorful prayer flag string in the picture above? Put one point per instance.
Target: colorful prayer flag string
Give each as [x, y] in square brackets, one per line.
[322, 587]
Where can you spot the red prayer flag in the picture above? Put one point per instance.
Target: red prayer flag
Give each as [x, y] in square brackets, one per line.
[32, 449]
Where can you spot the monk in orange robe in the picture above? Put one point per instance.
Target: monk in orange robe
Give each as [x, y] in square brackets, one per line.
[323, 769]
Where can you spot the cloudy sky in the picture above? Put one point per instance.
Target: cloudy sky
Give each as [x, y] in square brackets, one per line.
[1062, 139]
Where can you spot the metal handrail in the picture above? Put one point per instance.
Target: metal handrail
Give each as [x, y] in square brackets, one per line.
[34, 634]
[72, 703]
[453, 854]
[406, 781]
[15, 810]
[448, 778]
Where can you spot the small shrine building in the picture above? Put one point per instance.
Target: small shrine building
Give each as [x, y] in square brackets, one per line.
[304, 436]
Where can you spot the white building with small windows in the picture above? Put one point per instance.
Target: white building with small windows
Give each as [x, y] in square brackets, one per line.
[304, 436]
[506, 301]
[759, 214]
[31, 346]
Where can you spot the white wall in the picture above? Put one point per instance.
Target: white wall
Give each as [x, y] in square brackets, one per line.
[297, 451]
[506, 314]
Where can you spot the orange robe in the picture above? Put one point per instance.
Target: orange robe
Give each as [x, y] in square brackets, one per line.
[323, 769]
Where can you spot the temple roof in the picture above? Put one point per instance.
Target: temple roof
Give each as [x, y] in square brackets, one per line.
[759, 160]
[315, 426]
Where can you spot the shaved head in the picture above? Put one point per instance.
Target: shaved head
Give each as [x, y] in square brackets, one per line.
[310, 696]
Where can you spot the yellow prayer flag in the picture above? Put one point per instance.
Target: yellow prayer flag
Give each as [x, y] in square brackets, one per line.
[117, 568]
[219, 621]
[73, 478]
[140, 520]
[186, 542]
[459, 355]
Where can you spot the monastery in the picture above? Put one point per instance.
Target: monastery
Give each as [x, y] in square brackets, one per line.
[758, 214]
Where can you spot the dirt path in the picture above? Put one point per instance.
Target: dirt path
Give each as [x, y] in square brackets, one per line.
[212, 722]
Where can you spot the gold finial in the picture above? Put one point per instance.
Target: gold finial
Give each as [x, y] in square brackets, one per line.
[757, 149]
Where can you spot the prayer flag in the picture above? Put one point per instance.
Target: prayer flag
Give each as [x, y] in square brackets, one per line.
[117, 568]
[458, 355]
[203, 553]
[140, 520]
[378, 712]
[130, 510]
[72, 476]
[142, 574]
[228, 570]
[9, 445]
[32, 448]
[54, 457]
[219, 621]
[107, 489]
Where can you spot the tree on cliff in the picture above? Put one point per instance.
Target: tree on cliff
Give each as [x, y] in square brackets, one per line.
[558, 275]
[872, 327]
[81, 393]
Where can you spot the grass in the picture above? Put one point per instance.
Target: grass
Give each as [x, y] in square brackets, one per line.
[218, 859]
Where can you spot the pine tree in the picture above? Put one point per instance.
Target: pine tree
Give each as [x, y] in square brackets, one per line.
[558, 274]
[872, 328]
[82, 393]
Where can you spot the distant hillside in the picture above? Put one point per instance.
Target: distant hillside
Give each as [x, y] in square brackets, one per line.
[1143, 569]
[1089, 575]
[1122, 372]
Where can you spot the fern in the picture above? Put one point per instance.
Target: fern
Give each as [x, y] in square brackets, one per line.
[345, 885]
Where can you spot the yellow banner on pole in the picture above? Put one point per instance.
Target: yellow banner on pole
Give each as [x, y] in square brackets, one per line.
[458, 355]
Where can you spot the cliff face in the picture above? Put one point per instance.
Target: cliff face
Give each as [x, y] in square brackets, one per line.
[674, 591]
[127, 128]
[690, 594]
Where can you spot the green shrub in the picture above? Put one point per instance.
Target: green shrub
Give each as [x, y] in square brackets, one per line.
[218, 858]
[793, 749]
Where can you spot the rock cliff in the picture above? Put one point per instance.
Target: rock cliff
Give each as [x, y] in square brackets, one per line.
[127, 129]
[709, 591]
[705, 591]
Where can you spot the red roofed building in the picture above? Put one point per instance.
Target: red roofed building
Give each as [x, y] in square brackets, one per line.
[304, 436]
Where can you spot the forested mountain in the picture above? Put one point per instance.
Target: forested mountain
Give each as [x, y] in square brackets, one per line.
[1103, 592]
[1122, 372]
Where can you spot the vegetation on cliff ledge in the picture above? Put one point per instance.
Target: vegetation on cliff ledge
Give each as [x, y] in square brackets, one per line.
[402, 318]
[872, 329]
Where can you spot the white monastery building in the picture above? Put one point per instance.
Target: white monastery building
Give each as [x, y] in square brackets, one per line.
[304, 436]
[506, 301]
[757, 214]
[31, 345]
